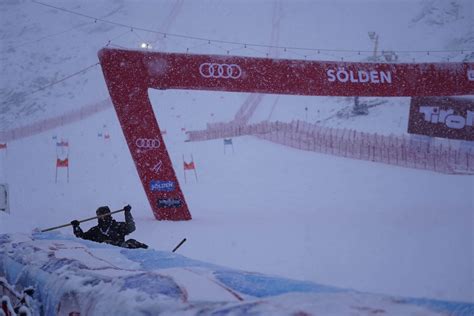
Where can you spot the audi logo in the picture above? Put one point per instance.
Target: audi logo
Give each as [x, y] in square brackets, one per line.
[147, 143]
[226, 71]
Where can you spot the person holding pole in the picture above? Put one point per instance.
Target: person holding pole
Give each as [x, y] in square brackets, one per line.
[108, 230]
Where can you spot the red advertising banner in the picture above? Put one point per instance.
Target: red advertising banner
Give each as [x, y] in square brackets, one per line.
[129, 75]
[446, 117]
[189, 166]
[284, 76]
[62, 163]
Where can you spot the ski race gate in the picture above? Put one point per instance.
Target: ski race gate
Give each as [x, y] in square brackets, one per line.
[129, 74]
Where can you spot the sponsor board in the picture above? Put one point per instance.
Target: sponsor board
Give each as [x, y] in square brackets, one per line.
[169, 203]
[446, 117]
[162, 186]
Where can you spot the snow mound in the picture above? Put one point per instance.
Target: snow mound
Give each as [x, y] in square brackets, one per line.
[74, 275]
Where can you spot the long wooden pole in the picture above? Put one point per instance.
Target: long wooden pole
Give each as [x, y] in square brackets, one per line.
[81, 221]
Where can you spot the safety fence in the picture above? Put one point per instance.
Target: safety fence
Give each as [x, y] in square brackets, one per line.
[54, 122]
[406, 151]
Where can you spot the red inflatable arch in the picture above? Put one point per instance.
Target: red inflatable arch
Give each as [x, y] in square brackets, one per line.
[129, 75]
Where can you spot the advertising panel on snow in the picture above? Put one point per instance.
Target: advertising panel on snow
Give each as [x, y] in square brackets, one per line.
[446, 117]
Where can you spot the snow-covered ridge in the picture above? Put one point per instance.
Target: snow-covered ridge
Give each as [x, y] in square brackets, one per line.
[439, 16]
[73, 275]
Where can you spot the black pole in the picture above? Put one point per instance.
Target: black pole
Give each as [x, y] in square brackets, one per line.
[81, 221]
[179, 245]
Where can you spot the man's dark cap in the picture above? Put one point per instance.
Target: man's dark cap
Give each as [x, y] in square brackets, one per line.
[102, 210]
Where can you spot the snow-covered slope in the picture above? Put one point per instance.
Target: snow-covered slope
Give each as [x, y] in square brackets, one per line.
[347, 223]
[264, 207]
[440, 17]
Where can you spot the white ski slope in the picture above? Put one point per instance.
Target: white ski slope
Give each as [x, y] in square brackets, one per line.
[264, 208]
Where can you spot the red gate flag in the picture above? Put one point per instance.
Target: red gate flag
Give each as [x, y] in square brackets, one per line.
[129, 74]
[189, 166]
[62, 163]
[3, 146]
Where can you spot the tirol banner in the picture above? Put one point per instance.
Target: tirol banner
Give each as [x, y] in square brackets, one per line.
[446, 117]
[129, 74]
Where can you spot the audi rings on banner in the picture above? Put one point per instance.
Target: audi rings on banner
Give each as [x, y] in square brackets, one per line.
[225, 71]
[147, 143]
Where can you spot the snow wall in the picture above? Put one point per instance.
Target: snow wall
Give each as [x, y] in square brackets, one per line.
[74, 275]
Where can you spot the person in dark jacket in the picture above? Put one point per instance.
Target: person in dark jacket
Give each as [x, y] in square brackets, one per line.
[110, 231]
